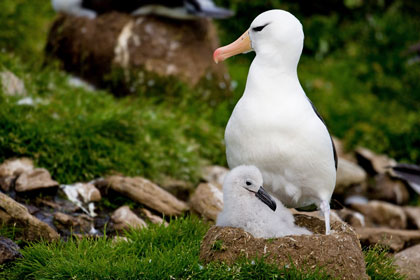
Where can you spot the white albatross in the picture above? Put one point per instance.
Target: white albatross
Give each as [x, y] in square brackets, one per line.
[274, 126]
[248, 206]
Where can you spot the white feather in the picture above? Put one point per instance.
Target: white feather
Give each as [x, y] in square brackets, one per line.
[242, 209]
[274, 126]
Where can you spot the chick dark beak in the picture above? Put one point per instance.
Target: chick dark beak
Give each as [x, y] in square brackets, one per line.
[266, 198]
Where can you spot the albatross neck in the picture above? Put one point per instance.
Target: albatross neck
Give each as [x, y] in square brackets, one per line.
[271, 76]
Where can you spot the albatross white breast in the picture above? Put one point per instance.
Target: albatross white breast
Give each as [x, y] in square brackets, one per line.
[274, 126]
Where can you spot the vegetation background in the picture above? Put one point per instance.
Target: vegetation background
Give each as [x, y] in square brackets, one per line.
[357, 68]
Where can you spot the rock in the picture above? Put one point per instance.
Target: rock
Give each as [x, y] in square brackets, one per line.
[395, 239]
[373, 163]
[38, 178]
[117, 239]
[339, 254]
[138, 52]
[214, 174]
[382, 214]
[9, 251]
[409, 173]
[153, 218]
[11, 84]
[334, 217]
[7, 183]
[11, 169]
[124, 219]
[413, 216]
[408, 262]
[348, 174]
[32, 229]
[389, 189]
[88, 192]
[207, 200]
[65, 223]
[143, 191]
[81, 194]
[353, 218]
[179, 188]
[15, 167]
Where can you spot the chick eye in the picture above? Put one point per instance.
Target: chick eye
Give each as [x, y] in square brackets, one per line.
[259, 28]
[248, 183]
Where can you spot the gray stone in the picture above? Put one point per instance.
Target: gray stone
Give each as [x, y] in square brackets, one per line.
[348, 174]
[15, 167]
[413, 216]
[81, 223]
[207, 200]
[395, 239]
[408, 262]
[123, 219]
[153, 218]
[30, 228]
[88, 192]
[9, 251]
[353, 218]
[381, 213]
[143, 191]
[389, 189]
[38, 178]
[372, 162]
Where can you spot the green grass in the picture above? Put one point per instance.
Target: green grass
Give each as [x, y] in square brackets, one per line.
[158, 253]
[379, 265]
[79, 134]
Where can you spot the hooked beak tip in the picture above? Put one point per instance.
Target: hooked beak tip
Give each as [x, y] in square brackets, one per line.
[216, 56]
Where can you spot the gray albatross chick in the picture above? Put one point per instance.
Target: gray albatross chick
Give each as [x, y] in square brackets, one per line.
[248, 206]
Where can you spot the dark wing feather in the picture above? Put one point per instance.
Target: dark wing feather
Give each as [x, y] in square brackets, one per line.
[332, 142]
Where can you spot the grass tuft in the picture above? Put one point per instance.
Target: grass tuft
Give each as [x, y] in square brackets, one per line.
[380, 265]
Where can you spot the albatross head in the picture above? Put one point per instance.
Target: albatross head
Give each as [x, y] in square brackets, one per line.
[246, 181]
[276, 36]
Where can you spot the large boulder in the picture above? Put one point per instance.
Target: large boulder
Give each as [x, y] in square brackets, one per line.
[129, 53]
[339, 254]
[29, 228]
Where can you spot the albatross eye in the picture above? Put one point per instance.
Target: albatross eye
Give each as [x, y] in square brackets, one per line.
[248, 183]
[259, 28]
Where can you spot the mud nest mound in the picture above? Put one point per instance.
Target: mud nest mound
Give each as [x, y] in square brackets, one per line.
[339, 254]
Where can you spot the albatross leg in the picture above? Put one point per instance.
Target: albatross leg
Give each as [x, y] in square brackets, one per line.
[325, 209]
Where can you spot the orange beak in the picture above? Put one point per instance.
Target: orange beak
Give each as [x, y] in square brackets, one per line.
[241, 45]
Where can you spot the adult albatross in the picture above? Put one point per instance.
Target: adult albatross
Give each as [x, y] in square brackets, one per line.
[274, 125]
